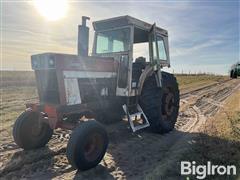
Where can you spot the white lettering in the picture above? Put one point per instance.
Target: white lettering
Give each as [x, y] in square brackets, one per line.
[186, 168]
[221, 170]
[202, 171]
[234, 170]
[213, 169]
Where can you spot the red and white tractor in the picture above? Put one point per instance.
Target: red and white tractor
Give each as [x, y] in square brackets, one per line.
[82, 92]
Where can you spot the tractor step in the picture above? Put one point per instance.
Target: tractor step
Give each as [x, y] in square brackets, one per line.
[134, 118]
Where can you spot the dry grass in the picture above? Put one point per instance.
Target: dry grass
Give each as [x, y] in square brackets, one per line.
[226, 122]
[16, 88]
[17, 78]
[12, 104]
[220, 140]
[187, 82]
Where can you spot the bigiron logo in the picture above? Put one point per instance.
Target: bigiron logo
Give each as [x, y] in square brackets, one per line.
[202, 171]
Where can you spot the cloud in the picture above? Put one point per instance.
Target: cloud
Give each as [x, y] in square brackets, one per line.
[190, 50]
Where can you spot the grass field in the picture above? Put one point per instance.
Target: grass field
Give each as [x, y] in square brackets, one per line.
[187, 82]
[17, 78]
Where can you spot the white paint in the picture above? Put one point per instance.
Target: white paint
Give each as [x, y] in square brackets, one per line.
[122, 92]
[104, 91]
[88, 74]
[72, 91]
[134, 84]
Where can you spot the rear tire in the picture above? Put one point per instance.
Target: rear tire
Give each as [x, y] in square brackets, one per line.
[161, 105]
[28, 134]
[87, 145]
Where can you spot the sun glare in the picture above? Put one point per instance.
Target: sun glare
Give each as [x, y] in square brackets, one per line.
[51, 9]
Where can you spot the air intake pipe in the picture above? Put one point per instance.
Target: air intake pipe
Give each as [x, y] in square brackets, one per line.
[83, 37]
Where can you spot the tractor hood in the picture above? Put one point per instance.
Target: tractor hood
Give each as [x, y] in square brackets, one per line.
[67, 62]
[61, 77]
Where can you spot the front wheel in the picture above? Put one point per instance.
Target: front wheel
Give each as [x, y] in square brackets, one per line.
[87, 145]
[29, 133]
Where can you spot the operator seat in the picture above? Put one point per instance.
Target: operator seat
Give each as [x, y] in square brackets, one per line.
[137, 68]
[141, 60]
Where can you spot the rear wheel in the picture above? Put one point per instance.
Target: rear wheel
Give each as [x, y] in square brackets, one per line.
[161, 105]
[87, 145]
[29, 133]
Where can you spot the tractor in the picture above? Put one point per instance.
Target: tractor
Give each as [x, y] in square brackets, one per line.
[83, 93]
[235, 70]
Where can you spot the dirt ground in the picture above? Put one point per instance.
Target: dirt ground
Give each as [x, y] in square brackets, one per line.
[219, 139]
[140, 155]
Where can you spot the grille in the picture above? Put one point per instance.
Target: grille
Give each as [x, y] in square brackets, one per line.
[47, 86]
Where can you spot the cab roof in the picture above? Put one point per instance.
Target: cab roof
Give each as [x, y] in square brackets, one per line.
[122, 21]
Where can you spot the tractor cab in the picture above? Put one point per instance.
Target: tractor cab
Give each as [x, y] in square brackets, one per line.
[117, 37]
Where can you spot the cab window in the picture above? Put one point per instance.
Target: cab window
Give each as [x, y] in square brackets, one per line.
[161, 49]
[113, 41]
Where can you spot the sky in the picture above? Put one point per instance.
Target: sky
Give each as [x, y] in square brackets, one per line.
[203, 35]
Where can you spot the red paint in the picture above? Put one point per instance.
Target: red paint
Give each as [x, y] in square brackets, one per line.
[52, 114]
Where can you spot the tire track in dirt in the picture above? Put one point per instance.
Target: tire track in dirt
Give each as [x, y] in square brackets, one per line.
[125, 149]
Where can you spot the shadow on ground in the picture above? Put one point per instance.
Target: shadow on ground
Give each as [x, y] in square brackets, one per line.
[144, 156]
[151, 156]
[24, 164]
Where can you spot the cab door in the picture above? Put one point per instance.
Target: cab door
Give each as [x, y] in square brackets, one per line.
[158, 53]
[158, 48]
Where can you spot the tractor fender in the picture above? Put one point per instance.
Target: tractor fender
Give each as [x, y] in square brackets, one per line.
[148, 71]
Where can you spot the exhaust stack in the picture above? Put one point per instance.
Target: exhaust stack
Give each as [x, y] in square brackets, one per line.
[83, 37]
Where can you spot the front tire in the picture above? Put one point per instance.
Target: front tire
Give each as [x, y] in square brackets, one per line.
[161, 105]
[87, 145]
[29, 133]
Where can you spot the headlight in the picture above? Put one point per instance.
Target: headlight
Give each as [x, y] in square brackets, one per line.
[34, 64]
[51, 63]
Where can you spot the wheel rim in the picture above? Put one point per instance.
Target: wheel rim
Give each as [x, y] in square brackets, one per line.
[168, 103]
[93, 147]
[37, 129]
